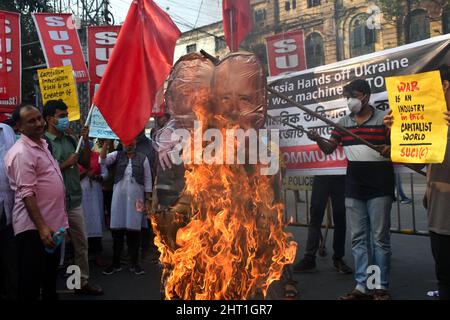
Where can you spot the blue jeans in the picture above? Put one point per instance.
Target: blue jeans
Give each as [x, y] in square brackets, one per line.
[370, 224]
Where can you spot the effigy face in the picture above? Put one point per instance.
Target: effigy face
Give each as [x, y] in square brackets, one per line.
[188, 90]
[239, 90]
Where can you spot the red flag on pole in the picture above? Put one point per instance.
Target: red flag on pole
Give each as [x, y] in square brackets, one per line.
[140, 63]
[237, 22]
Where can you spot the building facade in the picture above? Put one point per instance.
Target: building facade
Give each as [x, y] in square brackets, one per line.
[333, 30]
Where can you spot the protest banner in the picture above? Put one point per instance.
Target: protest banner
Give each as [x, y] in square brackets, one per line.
[320, 89]
[286, 52]
[10, 61]
[101, 41]
[59, 83]
[98, 128]
[419, 133]
[60, 42]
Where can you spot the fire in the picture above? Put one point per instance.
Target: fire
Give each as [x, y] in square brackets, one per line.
[234, 245]
[224, 238]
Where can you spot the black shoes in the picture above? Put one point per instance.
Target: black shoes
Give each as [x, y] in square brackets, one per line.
[341, 267]
[309, 265]
[305, 265]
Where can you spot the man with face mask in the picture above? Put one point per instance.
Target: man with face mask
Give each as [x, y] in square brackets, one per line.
[63, 147]
[369, 190]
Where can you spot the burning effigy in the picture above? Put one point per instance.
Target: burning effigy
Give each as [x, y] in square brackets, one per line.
[218, 224]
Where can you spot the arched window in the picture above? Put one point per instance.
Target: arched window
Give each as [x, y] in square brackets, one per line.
[362, 39]
[314, 50]
[419, 28]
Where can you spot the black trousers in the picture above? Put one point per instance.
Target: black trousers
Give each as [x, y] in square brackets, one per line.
[38, 269]
[8, 262]
[325, 187]
[133, 242]
[95, 245]
[440, 246]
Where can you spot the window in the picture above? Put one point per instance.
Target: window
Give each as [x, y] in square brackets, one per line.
[419, 28]
[362, 39]
[294, 4]
[191, 48]
[446, 22]
[260, 15]
[313, 3]
[314, 50]
[220, 43]
[287, 5]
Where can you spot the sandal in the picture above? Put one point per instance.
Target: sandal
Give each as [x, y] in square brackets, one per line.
[290, 291]
[380, 294]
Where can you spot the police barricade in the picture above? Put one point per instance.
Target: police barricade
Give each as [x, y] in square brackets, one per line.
[408, 216]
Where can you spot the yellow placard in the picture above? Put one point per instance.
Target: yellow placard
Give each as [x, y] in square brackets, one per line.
[59, 83]
[419, 132]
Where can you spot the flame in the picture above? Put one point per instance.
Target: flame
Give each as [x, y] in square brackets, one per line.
[234, 246]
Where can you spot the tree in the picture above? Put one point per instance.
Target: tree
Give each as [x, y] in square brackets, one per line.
[31, 50]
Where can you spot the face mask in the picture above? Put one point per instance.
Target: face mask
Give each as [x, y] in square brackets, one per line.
[62, 124]
[354, 105]
[130, 149]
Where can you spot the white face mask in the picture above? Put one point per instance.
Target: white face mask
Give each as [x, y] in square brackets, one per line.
[354, 105]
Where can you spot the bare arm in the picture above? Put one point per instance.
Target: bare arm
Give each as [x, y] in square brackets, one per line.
[327, 146]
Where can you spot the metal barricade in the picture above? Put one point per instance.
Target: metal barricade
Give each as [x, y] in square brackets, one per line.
[413, 222]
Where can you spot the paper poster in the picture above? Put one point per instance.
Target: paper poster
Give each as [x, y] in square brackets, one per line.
[419, 133]
[59, 83]
[98, 128]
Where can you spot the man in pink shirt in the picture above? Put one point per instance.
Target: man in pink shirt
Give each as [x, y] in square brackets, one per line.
[39, 208]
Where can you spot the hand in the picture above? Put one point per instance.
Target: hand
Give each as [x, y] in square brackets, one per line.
[85, 134]
[388, 120]
[384, 150]
[46, 235]
[313, 135]
[447, 117]
[73, 160]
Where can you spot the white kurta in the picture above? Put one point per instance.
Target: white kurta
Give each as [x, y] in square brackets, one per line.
[93, 206]
[128, 201]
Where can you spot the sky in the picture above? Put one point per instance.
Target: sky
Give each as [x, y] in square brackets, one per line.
[187, 14]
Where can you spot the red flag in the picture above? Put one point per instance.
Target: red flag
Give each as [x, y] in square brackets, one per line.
[140, 63]
[237, 22]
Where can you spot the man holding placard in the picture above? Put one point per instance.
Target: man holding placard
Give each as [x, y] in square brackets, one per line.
[435, 141]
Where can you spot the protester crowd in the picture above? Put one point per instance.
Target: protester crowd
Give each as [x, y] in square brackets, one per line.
[46, 185]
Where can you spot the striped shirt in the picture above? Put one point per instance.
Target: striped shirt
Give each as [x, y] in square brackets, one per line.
[369, 174]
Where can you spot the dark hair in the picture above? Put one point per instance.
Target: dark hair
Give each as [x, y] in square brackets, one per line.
[444, 70]
[51, 106]
[359, 85]
[10, 122]
[16, 113]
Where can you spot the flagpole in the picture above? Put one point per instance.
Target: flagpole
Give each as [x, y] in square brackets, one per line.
[88, 121]
[232, 31]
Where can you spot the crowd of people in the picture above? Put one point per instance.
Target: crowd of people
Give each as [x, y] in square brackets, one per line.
[46, 185]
